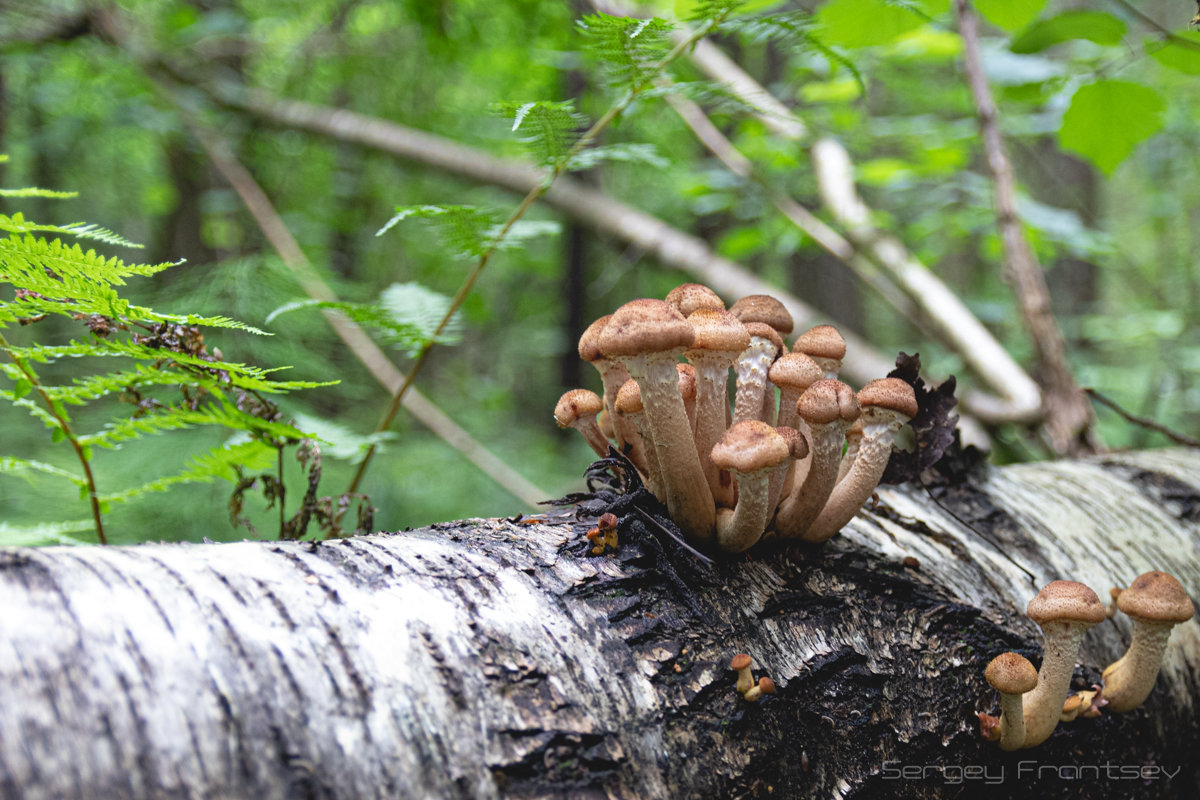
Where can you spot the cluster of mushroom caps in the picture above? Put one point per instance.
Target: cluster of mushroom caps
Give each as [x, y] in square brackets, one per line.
[1033, 702]
[772, 466]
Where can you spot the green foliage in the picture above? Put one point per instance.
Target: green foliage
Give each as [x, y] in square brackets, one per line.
[863, 23]
[48, 278]
[628, 49]
[1010, 15]
[1181, 52]
[549, 128]
[1094, 26]
[464, 230]
[407, 316]
[1107, 119]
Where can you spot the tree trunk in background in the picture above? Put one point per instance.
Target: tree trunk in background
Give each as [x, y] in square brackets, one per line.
[825, 283]
[488, 658]
[181, 234]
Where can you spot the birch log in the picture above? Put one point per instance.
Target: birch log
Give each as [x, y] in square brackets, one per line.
[486, 658]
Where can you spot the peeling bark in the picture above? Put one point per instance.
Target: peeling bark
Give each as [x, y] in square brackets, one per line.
[487, 658]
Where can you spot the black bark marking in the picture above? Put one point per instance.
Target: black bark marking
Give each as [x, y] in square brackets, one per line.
[310, 576]
[265, 589]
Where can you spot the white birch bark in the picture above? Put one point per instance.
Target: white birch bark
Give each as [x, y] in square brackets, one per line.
[489, 659]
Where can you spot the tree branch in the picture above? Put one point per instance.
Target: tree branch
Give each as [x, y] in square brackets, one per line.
[1068, 414]
[363, 347]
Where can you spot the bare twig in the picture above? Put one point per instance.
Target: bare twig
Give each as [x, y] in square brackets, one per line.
[1166, 33]
[1144, 422]
[374, 359]
[880, 260]
[1068, 415]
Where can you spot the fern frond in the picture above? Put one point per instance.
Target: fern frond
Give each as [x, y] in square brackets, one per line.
[21, 467]
[18, 224]
[628, 152]
[715, 10]
[628, 48]
[177, 417]
[407, 315]
[463, 229]
[521, 232]
[798, 29]
[218, 463]
[549, 128]
[42, 533]
[35, 410]
[344, 443]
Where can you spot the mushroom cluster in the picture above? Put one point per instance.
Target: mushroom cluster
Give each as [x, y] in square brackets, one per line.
[769, 464]
[1034, 702]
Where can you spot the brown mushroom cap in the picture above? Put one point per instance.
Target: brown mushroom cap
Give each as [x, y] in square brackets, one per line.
[719, 331]
[892, 394]
[1066, 601]
[1156, 597]
[766, 685]
[827, 401]
[822, 341]
[765, 309]
[576, 404]
[1011, 673]
[795, 370]
[645, 326]
[687, 381]
[629, 398]
[691, 297]
[740, 661]
[589, 341]
[797, 444]
[749, 446]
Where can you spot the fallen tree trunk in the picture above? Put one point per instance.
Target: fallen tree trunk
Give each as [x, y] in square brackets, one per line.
[491, 658]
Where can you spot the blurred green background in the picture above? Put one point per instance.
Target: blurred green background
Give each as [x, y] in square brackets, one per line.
[1117, 235]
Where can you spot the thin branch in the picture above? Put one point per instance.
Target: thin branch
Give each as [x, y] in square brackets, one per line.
[1166, 33]
[530, 198]
[65, 427]
[928, 302]
[374, 359]
[1068, 415]
[1145, 422]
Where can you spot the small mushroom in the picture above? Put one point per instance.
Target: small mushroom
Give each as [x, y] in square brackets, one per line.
[1065, 611]
[741, 663]
[1071, 708]
[691, 297]
[792, 373]
[1012, 676]
[752, 450]
[824, 345]
[647, 336]
[1155, 602]
[577, 409]
[607, 524]
[764, 686]
[765, 310]
[886, 405]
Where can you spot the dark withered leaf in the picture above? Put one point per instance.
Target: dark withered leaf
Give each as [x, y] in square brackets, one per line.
[933, 425]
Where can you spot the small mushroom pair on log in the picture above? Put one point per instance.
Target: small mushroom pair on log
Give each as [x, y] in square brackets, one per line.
[768, 467]
[1033, 702]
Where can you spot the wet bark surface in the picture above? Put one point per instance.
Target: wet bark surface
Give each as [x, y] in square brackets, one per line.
[494, 658]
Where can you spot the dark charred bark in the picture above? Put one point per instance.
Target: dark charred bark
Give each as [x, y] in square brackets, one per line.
[492, 658]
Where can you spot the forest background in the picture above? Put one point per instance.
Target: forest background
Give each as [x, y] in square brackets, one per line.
[1098, 107]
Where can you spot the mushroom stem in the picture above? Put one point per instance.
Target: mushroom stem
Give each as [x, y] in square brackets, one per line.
[752, 367]
[1064, 610]
[629, 408]
[688, 498]
[1155, 602]
[1012, 676]
[887, 405]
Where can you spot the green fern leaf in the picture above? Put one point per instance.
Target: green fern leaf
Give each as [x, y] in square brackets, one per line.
[463, 229]
[407, 315]
[630, 49]
[549, 128]
[628, 152]
[714, 10]
[18, 224]
[218, 463]
[42, 533]
[21, 467]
